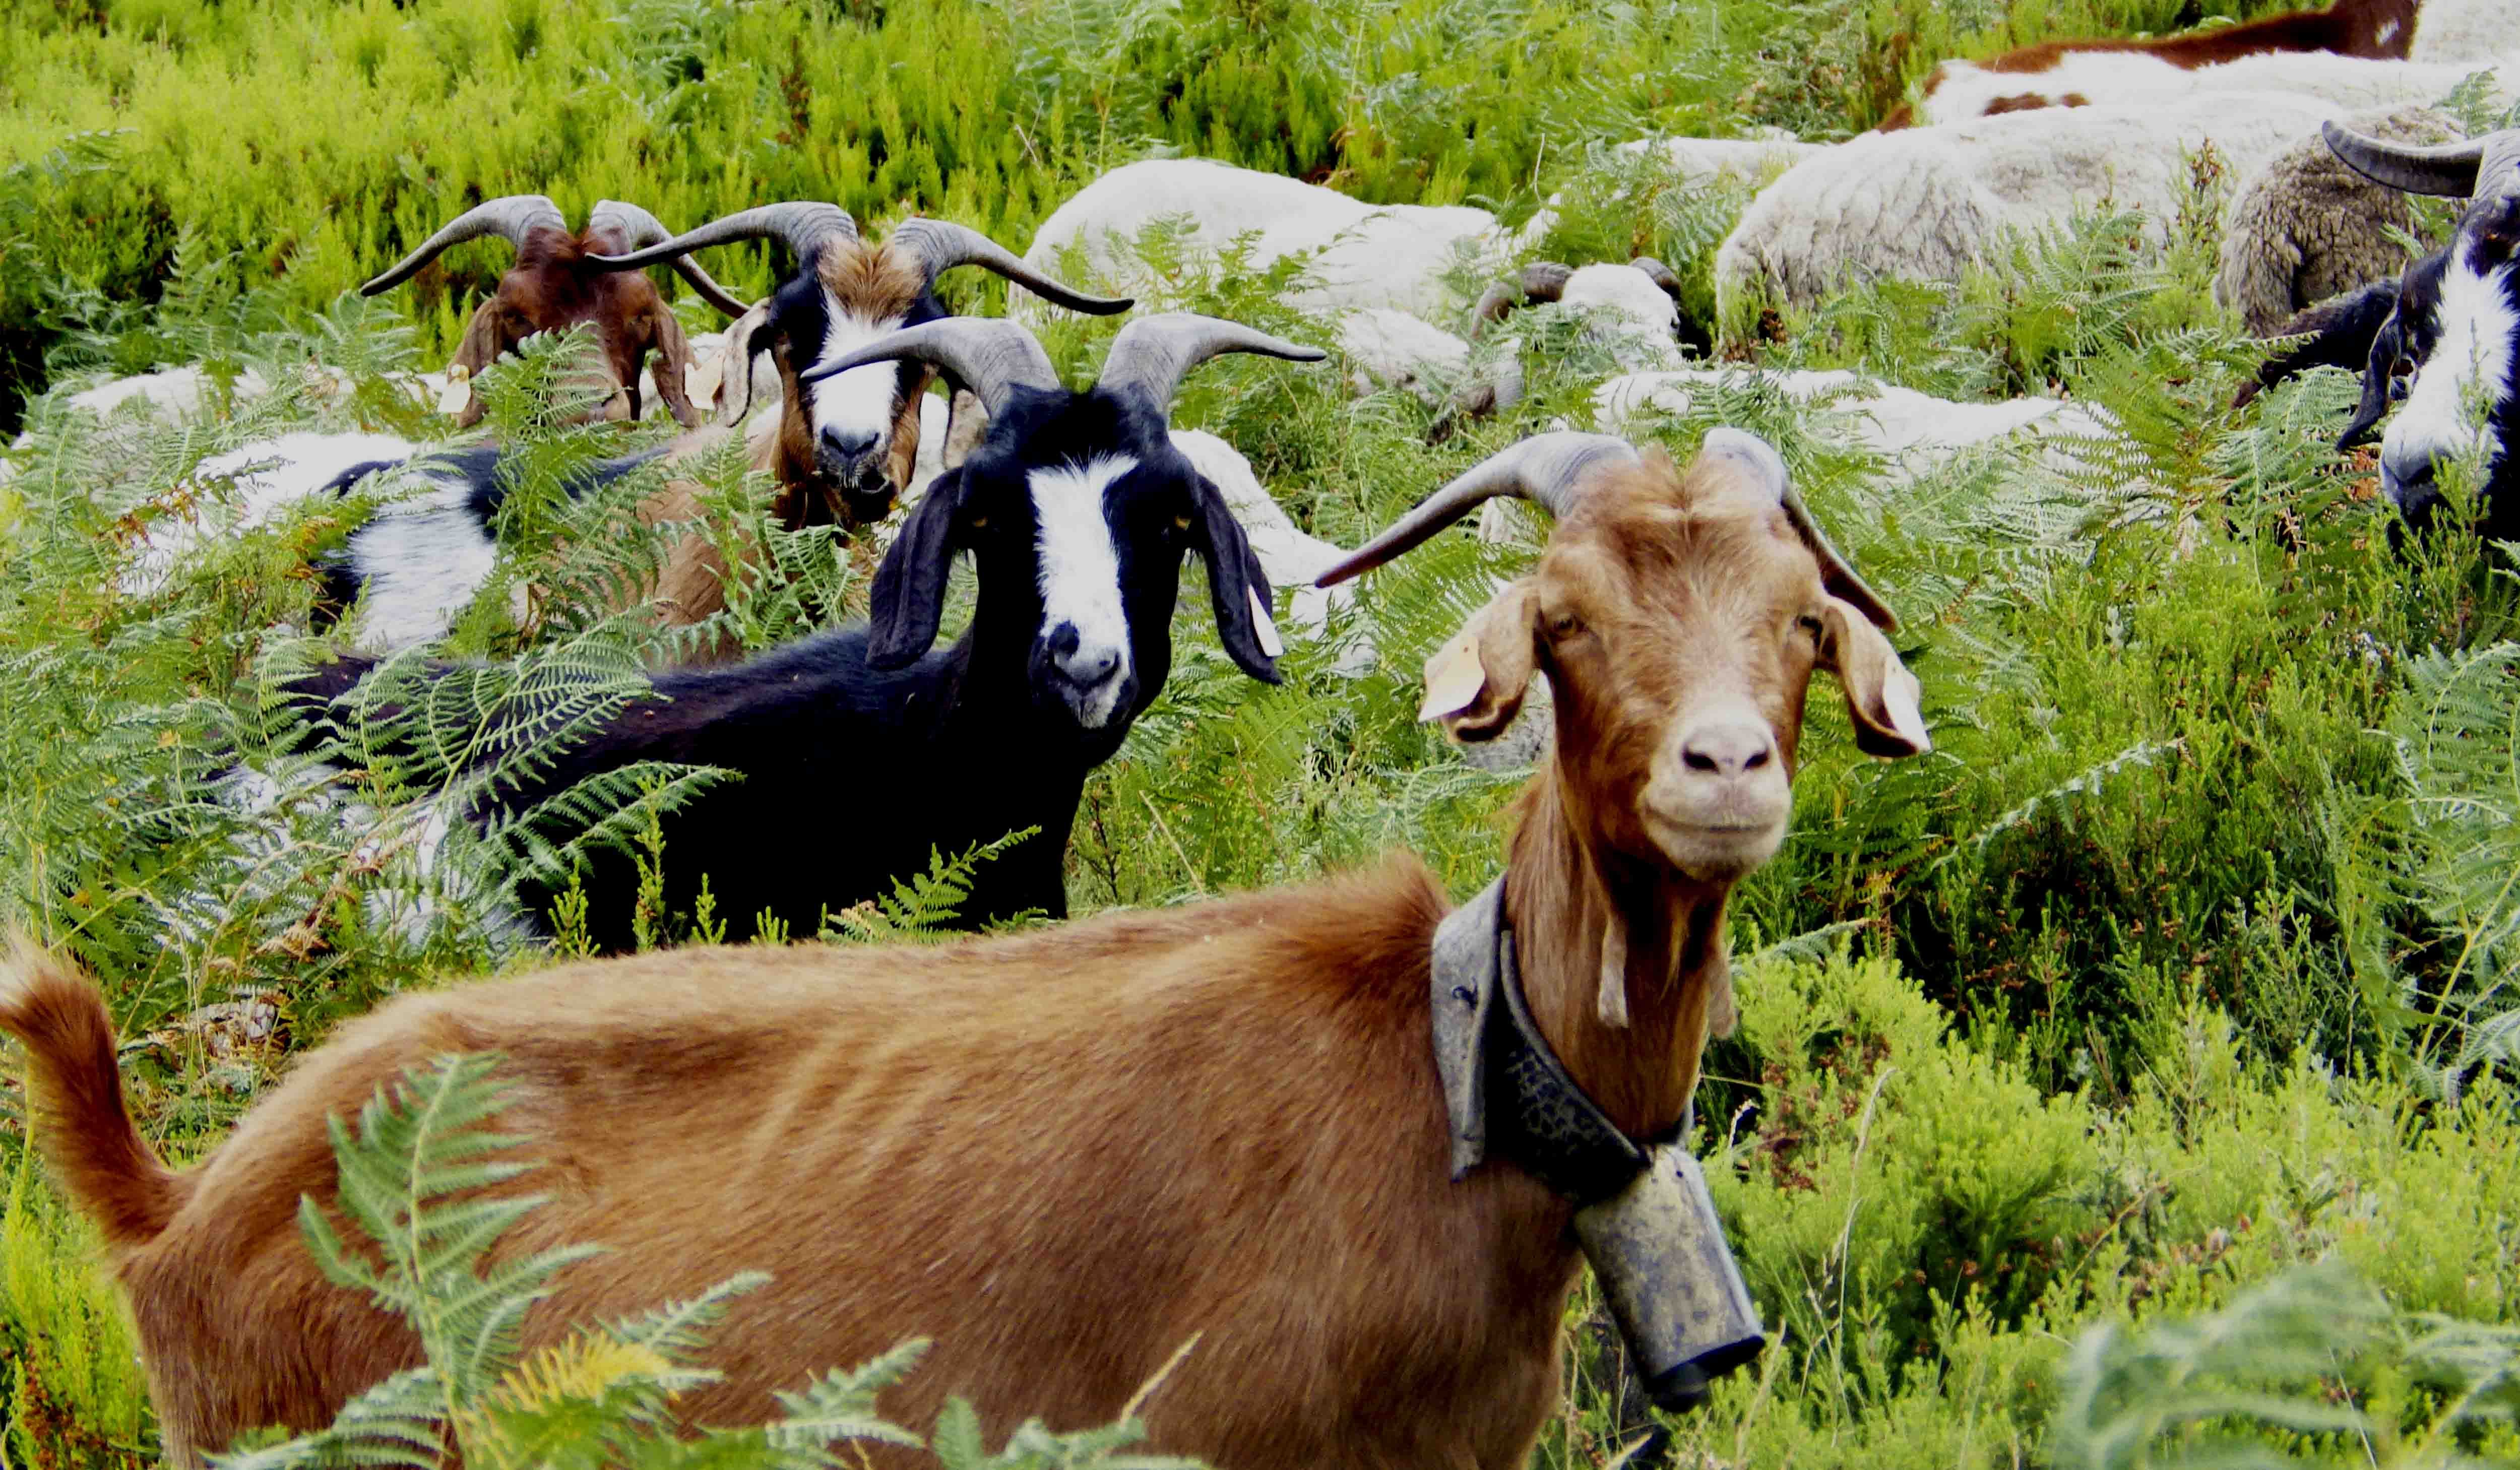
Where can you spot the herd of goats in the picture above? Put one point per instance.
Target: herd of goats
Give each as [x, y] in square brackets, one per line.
[1303, 1176]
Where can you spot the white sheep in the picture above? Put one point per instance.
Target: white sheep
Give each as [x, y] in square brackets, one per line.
[2302, 226]
[2465, 30]
[2129, 79]
[1369, 254]
[1923, 203]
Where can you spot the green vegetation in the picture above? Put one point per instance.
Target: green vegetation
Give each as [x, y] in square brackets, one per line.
[2128, 1083]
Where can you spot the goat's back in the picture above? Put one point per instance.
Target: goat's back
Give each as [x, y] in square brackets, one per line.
[1062, 1155]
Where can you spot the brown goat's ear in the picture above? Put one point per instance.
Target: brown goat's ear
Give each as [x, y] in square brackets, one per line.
[478, 350]
[1476, 682]
[1880, 693]
[673, 361]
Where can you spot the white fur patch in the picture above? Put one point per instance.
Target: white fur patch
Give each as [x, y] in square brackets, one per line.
[268, 477]
[863, 400]
[2471, 360]
[1080, 569]
[418, 563]
[2098, 77]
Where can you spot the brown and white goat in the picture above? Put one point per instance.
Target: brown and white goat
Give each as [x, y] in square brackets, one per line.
[2082, 73]
[554, 286]
[1068, 1155]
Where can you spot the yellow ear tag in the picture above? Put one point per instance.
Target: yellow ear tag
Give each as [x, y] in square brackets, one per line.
[458, 391]
[1453, 677]
[701, 379]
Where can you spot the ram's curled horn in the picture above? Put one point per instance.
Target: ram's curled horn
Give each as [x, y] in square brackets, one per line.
[1539, 281]
[1153, 353]
[1545, 468]
[511, 218]
[2453, 170]
[942, 244]
[991, 355]
[640, 230]
[806, 226]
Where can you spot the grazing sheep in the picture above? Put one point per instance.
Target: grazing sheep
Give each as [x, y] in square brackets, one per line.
[1240, 1149]
[2303, 227]
[2115, 72]
[1913, 432]
[1924, 204]
[553, 287]
[1369, 254]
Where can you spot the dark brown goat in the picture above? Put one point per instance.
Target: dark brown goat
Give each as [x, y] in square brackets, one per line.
[2371, 29]
[553, 286]
[1067, 1155]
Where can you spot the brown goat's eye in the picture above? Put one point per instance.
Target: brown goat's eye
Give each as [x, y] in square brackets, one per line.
[1565, 625]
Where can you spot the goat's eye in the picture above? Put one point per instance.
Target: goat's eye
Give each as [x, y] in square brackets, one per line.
[1564, 625]
[1181, 522]
[979, 522]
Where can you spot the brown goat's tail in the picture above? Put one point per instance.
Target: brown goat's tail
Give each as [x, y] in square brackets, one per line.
[75, 1092]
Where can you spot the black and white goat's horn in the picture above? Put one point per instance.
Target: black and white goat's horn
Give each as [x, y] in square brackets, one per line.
[1153, 353]
[1545, 468]
[641, 230]
[804, 224]
[991, 355]
[1539, 281]
[942, 244]
[2454, 169]
[512, 218]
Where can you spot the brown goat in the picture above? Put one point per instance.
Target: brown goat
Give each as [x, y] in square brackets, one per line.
[1066, 1154]
[554, 286]
[2371, 29]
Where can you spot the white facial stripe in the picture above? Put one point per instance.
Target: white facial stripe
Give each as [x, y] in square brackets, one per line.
[861, 401]
[1080, 569]
[2471, 360]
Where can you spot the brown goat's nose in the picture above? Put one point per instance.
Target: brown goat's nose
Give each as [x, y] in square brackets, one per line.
[1728, 748]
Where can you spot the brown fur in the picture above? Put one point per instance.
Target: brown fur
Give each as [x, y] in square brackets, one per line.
[1065, 1154]
[2347, 28]
[549, 290]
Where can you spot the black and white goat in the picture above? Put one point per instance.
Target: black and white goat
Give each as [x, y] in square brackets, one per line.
[850, 440]
[1077, 511]
[2450, 329]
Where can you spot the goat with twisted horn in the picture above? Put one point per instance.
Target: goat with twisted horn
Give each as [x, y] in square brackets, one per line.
[553, 285]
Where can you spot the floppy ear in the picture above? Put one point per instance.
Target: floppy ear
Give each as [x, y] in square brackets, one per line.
[1237, 587]
[2378, 369]
[1474, 683]
[478, 352]
[909, 599]
[2339, 334]
[673, 367]
[1880, 693]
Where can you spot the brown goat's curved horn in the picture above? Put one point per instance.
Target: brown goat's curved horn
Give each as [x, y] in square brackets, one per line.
[1540, 280]
[991, 355]
[641, 230]
[942, 244]
[1544, 468]
[804, 224]
[2445, 168]
[1154, 352]
[511, 218]
[1837, 573]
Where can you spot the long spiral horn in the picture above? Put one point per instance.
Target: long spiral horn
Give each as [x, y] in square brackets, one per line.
[991, 355]
[641, 230]
[512, 218]
[1153, 353]
[805, 225]
[1545, 468]
[942, 244]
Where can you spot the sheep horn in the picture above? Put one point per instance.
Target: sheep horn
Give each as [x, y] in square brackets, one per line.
[1660, 275]
[1153, 353]
[640, 230]
[942, 244]
[805, 225]
[2454, 169]
[1545, 468]
[991, 355]
[1540, 280]
[512, 218]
